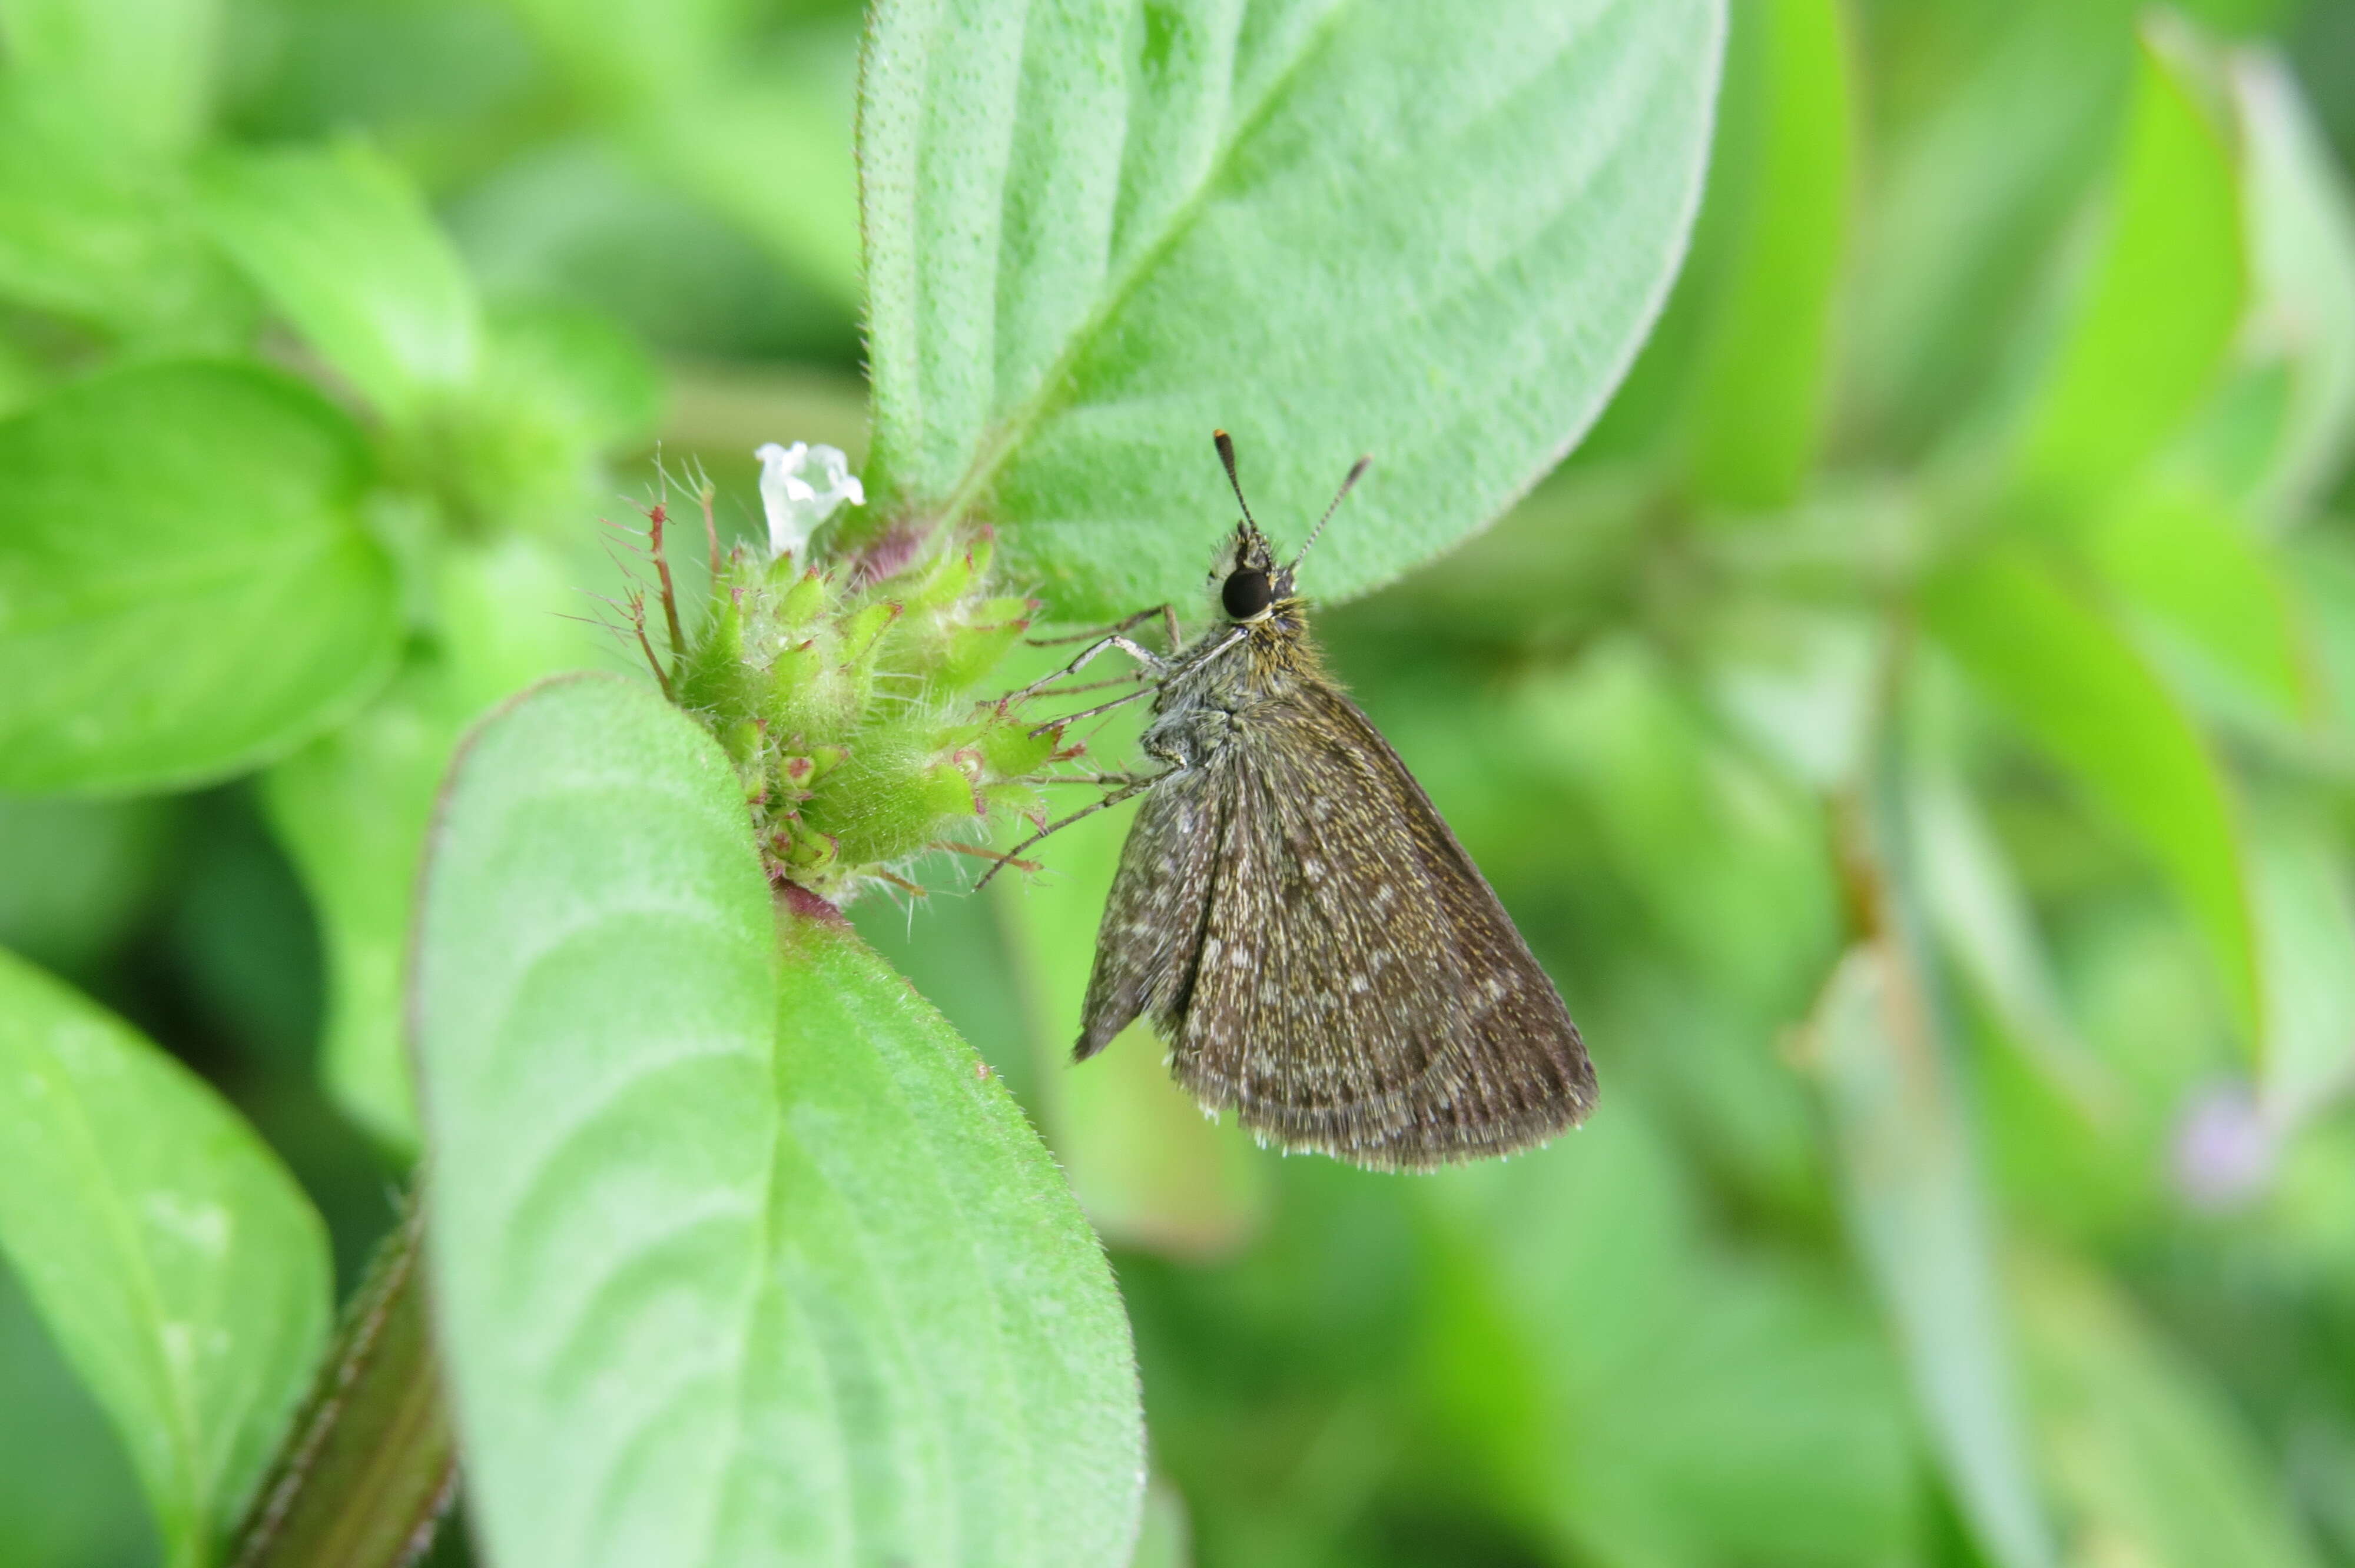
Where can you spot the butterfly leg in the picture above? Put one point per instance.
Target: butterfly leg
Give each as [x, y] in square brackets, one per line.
[1090, 712]
[1169, 615]
[1134, 785]
[1152, 662]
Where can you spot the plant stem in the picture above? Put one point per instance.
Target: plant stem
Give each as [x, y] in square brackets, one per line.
[369, 1464]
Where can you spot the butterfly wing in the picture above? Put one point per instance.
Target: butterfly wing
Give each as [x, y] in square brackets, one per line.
[1348, 981]
[1153, 922]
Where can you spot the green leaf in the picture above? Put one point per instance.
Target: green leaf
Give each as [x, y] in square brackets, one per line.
[184, 587]
[101, 233]
[179, 1267]
[66, 1493]
[2213, 597]
[2301, 243]
[739, 1257]
[1637, 1387]
[523, 447]
[351, 808]
[580, 360]
[1787, 128]
[2162, 304]
[2305, 923]
[1971, 200]
[1982, 917]
[1434, 234]
[341, 242]
[2067, 677]
[81, 873]
[773, 153]
[144, 67]
[2149, 1457]
[1727, 859]
[1912, 1186]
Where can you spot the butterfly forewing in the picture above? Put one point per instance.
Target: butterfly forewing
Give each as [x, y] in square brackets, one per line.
[1324, 959]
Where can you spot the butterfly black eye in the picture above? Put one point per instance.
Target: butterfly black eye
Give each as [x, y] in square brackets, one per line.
[1245, 595]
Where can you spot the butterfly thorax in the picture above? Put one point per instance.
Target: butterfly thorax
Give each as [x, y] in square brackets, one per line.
[1222, 677]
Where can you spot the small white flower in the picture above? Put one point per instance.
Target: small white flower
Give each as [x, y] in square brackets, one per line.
[801, 487]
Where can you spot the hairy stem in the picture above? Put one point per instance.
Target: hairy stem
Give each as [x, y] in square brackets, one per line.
[369, 1464]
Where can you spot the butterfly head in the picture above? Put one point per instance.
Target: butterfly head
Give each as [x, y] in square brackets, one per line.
[1253, 586]
[1250, 584]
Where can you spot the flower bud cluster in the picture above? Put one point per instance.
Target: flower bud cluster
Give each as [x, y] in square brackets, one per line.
[846, 705]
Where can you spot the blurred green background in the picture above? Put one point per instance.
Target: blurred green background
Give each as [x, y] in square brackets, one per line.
[2023, 1234]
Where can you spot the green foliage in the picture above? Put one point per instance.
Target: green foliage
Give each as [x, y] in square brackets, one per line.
[1920, 1221]
[2076, 686]
[2163, 300]
[1915, 727]
[186, 589]
[1785, 148]
[183, 1274]
[341, 243]
[1412, 231]
[778, 1264]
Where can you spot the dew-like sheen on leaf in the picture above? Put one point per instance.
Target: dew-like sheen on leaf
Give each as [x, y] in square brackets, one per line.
[1432, 233]
[739, 1259]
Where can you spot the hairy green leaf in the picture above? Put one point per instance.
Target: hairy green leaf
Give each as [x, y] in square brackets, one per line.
[1098, 231]
[176, 1263]
[741, 1257]
[185, 586]
[342, 243]
[2067, 676]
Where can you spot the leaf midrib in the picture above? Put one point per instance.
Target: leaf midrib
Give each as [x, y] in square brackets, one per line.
[1053, 386]
[769, 1286]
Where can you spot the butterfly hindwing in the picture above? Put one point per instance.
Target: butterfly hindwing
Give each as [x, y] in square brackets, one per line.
[1356, 987]
[1153, 921]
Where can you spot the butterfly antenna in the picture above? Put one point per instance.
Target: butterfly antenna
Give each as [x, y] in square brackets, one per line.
[1357, 471]
[1227, 455]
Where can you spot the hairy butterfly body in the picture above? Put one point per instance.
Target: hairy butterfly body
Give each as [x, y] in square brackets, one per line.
[1300, 926]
